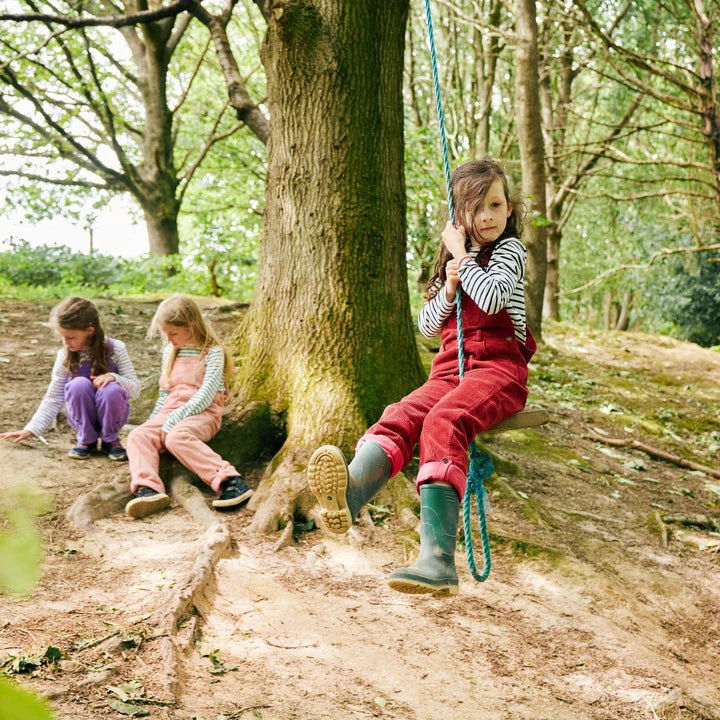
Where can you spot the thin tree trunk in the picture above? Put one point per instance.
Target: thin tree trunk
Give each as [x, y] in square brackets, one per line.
[328, 341]
[532, 157]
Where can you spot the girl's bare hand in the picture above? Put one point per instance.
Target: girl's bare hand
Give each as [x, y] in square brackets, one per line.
[453, 278]
[454, 240]
[102, 380]
[17, 435]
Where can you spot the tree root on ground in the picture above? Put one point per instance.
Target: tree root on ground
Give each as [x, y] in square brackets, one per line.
[681, 701]
[654, 452]
[100, 502]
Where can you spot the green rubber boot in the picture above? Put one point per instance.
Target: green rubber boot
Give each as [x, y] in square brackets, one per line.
[434, 570]
[341, 490]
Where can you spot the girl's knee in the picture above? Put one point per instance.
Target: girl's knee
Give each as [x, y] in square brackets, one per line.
[79, 386]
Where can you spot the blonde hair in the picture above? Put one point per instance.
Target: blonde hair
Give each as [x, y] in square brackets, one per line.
[183, 311]
[76, 313]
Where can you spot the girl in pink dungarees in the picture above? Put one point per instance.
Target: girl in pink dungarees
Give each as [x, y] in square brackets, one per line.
[484, 257]
[188, 412]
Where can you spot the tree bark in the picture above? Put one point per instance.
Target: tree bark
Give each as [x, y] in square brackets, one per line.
[532, 158]
[328, 341]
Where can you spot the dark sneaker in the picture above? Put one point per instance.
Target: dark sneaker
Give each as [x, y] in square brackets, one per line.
[114, 450]
[233, 493]
[81, 452]
[146, 502]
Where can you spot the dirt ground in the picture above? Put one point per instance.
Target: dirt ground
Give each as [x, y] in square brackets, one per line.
[587, 613]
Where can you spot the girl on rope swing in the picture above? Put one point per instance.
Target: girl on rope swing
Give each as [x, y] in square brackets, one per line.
[484, 256]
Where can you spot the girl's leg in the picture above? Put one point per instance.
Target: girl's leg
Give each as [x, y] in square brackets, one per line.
[187, 442]
[483, 398]
[398, 429]
[144, 446]
[341, 489]
[81, 409]
[112, 410]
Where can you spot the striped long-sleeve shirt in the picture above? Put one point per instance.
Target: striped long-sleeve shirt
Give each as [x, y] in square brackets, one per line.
[54, 398]
[213, 382]
[493, 287]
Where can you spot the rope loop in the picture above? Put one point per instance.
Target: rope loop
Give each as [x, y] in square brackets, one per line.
[481, 468]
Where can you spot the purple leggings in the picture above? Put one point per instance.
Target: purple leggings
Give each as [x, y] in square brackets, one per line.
[95, 412]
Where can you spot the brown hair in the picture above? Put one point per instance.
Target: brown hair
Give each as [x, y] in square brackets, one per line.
[469, 184]
[76, 313]
[183, 311]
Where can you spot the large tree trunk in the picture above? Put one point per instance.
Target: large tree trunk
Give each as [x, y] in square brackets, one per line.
[532, 157]
[328, 341]
[155, 180]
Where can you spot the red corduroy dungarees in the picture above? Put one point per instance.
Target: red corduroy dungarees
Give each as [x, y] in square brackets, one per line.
[445, 414]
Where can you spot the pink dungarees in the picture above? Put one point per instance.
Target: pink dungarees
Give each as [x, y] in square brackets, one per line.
[186, 440]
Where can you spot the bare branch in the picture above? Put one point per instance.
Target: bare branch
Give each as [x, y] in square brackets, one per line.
[640, 266]
[116, 21]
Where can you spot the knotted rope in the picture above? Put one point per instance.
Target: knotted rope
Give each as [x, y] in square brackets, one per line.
[481, 466]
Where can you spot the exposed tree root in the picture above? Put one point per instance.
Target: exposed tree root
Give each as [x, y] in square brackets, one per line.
[283, 492]
[701, 521]
[681, 701]
[215, 544]
[658, 527]
[654, 452]
[287, 535]
[100, 502]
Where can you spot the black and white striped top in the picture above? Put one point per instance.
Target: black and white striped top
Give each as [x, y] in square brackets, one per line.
[496, 286]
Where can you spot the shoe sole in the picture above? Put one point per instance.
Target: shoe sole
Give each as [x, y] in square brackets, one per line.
[233, 502]
[327, 477]
[418, 587]
[141, 507]
[75, 456]
[118, 458]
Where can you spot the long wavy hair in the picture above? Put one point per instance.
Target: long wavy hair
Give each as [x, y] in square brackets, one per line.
[183, 311]
[469, 184]
[76, 313]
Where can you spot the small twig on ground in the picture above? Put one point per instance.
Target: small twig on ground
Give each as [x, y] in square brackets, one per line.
[238, 713]
[654, 452]
[98, 641]
[287, 647]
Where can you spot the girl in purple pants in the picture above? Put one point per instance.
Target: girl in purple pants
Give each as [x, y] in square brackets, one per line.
[484, 257]
[93, 376]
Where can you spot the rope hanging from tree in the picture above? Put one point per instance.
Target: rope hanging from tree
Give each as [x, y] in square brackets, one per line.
[481, 466]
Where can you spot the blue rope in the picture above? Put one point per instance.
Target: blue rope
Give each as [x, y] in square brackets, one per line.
[481, 466]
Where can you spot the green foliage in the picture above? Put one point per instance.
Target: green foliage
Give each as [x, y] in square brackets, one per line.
[15, 704]
[20, 545]
[686, 295]
[20, 556]
[50, 272]
[23, 264]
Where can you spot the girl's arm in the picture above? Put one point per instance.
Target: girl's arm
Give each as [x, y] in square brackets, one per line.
[53, 400]
[213, 382]
[491, 288]
[162, 394]
[434, 313]
[125, 377]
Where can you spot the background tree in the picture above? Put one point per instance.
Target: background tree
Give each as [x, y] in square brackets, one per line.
[107, 118]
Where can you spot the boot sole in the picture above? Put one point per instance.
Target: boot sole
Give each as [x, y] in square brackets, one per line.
[418, 587]
[327, 475]
[141, 507]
